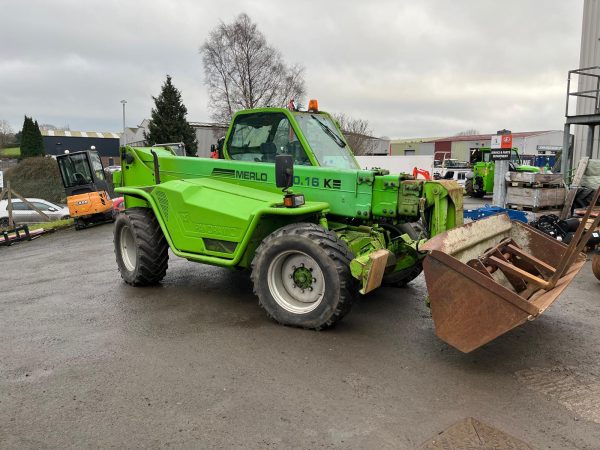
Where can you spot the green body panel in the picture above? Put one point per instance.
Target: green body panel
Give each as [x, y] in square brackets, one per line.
[195, 230]
[483, 172]
[217, 211]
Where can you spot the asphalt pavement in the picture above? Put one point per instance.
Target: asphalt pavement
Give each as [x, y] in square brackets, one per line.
[88, 362]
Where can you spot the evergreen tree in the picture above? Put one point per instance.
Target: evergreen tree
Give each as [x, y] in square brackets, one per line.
[32, 143]
[39, 140]
[26, 138]
[168, 121]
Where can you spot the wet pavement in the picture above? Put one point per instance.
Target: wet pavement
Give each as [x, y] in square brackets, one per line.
[87, 361]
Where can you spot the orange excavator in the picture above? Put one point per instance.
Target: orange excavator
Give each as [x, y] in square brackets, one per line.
[86, 187]
[424, 173]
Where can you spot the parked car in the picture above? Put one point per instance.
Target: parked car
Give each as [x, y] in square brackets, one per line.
[112, 169]
[23, 213]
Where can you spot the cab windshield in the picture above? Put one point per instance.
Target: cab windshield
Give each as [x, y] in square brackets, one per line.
[75, 170]
[328, 146]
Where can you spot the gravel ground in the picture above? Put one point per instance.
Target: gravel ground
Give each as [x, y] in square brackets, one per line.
[87, 361]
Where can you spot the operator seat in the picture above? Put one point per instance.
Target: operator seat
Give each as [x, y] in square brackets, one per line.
[295, 149]
[268, 150]
[79, 179]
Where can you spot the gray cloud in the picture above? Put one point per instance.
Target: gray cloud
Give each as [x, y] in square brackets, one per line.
[411, 68]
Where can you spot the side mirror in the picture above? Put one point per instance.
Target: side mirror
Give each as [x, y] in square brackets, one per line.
[128, 157]
[52, 209]
[284, 171]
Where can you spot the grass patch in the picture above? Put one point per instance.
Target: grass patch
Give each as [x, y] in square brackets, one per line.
[56, 225]
[11, 152]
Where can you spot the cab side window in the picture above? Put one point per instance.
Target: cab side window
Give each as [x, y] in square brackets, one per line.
[259, 137]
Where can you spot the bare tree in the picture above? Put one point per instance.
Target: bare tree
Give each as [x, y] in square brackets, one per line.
[6, 133]
[357, 132]
[468, 132]
[242, 71]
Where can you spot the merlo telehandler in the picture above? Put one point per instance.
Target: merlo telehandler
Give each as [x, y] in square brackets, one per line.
[480, 180]
[289, 202]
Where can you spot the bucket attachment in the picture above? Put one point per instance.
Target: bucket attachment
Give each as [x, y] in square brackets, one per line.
[490, 276]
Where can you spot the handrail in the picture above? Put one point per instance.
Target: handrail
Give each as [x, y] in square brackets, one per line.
[593, 94]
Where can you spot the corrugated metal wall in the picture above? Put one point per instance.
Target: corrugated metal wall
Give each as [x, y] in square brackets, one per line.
[589, 56]
[461, 150]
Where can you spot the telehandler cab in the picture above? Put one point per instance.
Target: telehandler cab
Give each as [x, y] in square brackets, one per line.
[289, 202]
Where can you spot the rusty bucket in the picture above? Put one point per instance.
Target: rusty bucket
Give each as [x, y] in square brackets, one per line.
[490, 276]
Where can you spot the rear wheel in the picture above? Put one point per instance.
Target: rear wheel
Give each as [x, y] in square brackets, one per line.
[469, 187]
[141, 248]
[301, 275]
[596, 265]
[4, 222]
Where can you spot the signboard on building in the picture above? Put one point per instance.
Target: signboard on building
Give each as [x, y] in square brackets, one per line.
[549, 148]
[501, 145]
[501, 154]
[501, 141]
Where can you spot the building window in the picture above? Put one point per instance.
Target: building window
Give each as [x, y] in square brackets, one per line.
[409, 152]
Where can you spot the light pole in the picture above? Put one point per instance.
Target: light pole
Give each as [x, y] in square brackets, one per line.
[124, 134]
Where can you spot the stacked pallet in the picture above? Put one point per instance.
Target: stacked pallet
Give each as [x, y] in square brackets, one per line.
[539, 193]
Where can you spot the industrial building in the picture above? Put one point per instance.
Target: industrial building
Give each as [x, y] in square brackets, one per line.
[412, 146]
[459, 147]
[589, 57]
[105, 143]
[206, 135]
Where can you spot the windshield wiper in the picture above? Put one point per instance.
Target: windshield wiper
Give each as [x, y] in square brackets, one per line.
[338, 140]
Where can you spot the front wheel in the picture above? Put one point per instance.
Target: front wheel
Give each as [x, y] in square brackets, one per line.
[301, 275]
[141, 248]
[471, 187]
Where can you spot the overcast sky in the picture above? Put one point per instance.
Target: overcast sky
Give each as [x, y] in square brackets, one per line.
[411, 68]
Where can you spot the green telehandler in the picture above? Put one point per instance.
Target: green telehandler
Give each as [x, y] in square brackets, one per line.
[480, 181]
[289, 202]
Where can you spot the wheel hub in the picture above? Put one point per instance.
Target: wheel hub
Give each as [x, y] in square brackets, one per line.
[303, 277]
[128, 249]
[296, 282]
